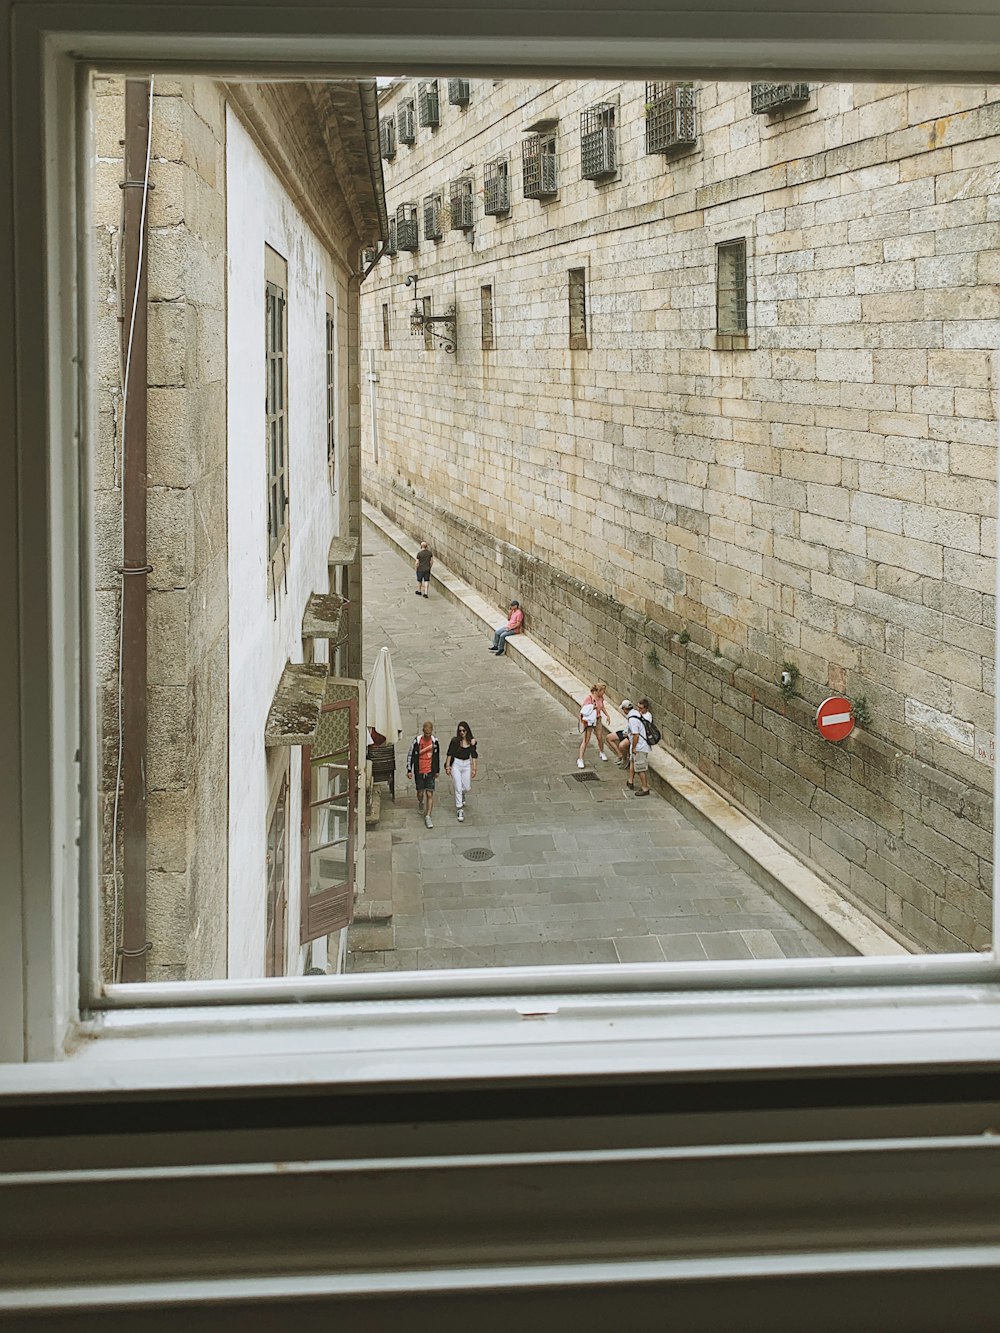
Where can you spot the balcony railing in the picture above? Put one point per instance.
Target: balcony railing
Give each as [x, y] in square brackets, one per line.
[598, 142]
[460, 200]
[405, 122]
[671, 124]
[407, 230]
[433, 229]
[768, 97]
[496, 187]
[387, 137]
[538, 163]
[429, 104]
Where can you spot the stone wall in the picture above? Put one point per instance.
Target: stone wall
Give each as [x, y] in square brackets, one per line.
[186, 517]
[684, 515]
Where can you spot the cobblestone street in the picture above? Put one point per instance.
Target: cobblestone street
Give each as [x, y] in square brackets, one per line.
[580, 871]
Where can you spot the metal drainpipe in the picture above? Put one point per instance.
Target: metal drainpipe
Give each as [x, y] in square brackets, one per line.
[135, 569]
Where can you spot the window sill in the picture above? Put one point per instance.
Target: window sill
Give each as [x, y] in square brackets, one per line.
[714, 1035]
[732, 342]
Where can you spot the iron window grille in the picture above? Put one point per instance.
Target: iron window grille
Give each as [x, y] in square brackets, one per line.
[460, 198]
[538, 161]
[458, 92]
[768, 97]
[486, 317]
[598, 142]
[731, 287]
[577, 309]
[407, 229]
[390, 243]
[386, 328]
[671, 123]
[496, 187]
[405, 122]
[387, 136]
[429, 104]
[367, 257]
[433, 225]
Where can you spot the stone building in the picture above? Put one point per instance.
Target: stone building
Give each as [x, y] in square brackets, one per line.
[721, 405]
[247, 441]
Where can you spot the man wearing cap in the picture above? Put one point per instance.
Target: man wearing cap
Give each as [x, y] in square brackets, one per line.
[619, 740]
[513, 626]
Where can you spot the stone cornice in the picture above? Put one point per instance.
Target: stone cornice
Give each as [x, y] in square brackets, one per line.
[314, 137]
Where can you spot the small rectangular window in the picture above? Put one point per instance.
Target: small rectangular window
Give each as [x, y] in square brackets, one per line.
[731, 287]
[276, 395]
[486, 310]
[386, 342]
[577, 308]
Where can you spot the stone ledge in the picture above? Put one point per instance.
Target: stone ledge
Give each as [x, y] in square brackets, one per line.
[842, 927]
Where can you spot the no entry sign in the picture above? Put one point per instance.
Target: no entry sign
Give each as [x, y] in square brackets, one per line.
[834, 718]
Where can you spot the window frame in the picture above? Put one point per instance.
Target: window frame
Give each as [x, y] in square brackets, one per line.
[577, 314]
[487, 318]
[332, 391]
[276, 292]
[45, 977]
[737, 291]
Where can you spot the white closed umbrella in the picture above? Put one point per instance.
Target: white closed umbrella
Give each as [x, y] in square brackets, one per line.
[383, 701]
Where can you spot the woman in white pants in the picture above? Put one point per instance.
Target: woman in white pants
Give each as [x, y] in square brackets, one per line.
[461, 764]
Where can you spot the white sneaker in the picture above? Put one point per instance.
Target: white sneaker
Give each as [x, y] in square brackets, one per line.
[428, 821]
[603, 757]
[579, 763]
[461, 816]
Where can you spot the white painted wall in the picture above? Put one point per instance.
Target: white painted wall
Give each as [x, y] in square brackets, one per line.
[265, 631]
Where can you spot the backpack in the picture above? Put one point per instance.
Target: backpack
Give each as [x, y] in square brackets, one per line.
[651, 730]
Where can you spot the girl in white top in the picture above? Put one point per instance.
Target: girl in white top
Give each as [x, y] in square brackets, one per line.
[591, 712]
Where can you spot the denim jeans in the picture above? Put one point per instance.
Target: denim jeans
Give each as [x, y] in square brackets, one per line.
[500, 638]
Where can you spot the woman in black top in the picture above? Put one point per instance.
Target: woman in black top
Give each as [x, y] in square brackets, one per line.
[461, 764]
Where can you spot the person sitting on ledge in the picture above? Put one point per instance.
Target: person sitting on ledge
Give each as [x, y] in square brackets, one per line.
[513, 626]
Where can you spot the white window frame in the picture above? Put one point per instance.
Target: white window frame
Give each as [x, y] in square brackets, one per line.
[844, 1014]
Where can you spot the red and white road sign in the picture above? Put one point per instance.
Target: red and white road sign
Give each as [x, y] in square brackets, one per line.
[834, 718]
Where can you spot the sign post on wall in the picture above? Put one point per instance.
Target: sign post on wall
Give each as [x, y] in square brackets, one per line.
[834, 718]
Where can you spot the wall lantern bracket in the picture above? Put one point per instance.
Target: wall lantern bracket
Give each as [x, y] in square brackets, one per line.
[442, 328]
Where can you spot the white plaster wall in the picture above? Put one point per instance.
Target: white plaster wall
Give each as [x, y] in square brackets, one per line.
[265, 631]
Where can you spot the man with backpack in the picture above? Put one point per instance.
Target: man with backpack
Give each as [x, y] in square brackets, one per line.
[640, 732]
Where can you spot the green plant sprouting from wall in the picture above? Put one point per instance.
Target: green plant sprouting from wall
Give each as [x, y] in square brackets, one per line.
[862, 712]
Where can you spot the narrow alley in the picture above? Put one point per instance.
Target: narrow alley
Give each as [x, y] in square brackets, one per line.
[572, 871]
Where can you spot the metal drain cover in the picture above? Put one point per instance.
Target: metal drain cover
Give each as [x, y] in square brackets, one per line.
[585, 776]
[477, 853]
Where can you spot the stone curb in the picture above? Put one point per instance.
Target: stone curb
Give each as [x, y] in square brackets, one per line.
[841, 927]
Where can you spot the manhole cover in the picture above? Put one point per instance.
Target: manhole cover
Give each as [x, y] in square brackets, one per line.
[477, 853]
[586, 776]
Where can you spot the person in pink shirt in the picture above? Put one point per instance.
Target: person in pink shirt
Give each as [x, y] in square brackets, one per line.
[515, 620]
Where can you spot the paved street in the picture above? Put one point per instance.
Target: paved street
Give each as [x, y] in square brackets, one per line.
[580, 872]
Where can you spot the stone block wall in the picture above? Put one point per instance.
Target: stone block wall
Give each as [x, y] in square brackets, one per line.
[685, 513]
[187, 606]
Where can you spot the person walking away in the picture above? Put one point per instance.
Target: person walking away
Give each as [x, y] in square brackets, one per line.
[423, 764]
[639, 746]
[425, 558]
[515, 619]
[591, 712]
[461, 763]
